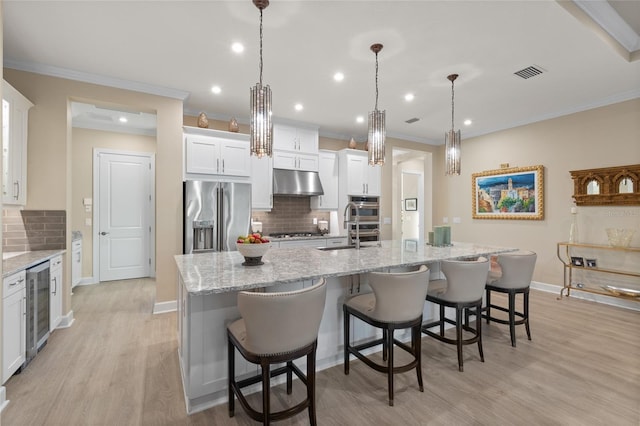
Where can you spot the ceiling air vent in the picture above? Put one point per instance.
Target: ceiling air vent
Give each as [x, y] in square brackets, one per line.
[412, 120]
[528, 72]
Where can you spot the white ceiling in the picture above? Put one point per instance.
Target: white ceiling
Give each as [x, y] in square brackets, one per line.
[182, 48]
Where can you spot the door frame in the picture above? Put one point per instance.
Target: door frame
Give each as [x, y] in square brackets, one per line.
[96, 208]
[421, 204]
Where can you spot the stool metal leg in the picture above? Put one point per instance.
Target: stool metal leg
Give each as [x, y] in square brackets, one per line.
[390, 362]
[479, 329]
[488, 305]
[526, 313]
[417, 350]
[512, 317]
[266, 392]
[345, 323]
[458, 335]
[311, 386]
[231, 376]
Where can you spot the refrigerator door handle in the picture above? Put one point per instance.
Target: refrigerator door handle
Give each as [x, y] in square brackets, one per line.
[220, 224]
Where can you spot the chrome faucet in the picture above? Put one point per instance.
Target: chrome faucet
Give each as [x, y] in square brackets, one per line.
[357, 221]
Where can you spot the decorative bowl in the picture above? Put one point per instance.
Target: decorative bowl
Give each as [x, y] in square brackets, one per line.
[253, 253]
[620, 237]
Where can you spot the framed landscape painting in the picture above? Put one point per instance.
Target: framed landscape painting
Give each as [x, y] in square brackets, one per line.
[513, 193]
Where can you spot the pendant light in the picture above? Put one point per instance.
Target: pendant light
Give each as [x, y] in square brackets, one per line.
[377, 129]
[452, 140]
[261, 126]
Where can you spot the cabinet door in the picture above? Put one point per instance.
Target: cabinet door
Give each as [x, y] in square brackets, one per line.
[261, 183]
[373, 178]
[356, 169]
[307, 140]
[338, 241]
[202, 155]
[285, 138]
[328, 171]
[55, 289]
[308, 162]
[236, 159]
[13, 333]
[316, 242]
[15, 116]
[285, 160]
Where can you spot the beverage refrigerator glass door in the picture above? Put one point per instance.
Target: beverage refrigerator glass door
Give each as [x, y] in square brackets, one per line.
[37, 309]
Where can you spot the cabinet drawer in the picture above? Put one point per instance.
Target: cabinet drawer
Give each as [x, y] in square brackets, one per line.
[55, 263]
[14, 283]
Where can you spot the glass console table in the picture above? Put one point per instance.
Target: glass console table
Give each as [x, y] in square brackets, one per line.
[600, 269]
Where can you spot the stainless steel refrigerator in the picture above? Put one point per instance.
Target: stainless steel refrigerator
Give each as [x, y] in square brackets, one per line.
[215, 214]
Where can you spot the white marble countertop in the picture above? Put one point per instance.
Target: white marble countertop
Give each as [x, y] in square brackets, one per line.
[27, 260]
[220, 272]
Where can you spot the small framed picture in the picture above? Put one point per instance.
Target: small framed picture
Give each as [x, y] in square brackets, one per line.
[591, 263]
[411, 204]
[577, 261]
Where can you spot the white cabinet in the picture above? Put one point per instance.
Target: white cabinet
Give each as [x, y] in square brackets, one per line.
[328, 171]
[14, 307]
[289, 138]
[213, 152]
[15, 121]
[360, 177]
[294, 161]
[202, 325]
[261, 183]
[55, 292]
[76, 262]
[295, 148]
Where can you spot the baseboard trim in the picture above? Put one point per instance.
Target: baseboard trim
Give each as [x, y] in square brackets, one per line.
[88, 281]
[3, 401]
[583, 295]
[164, 307]
[67, 320]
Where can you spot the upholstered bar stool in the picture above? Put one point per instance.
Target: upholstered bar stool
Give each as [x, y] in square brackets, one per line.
[465, 282]
[513, 277]
[276, 328]
[395, 304]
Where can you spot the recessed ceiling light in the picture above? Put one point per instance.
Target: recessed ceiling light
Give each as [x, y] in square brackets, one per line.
[237, 47]
[338, 76]
[123, 119]
[360, 119]
[409, 97]
[216, 90]
[298, 107]
[467, 122]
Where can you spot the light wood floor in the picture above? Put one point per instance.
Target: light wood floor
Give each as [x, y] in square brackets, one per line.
[118, 365]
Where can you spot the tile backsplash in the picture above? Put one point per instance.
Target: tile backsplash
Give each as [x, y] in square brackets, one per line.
[290, 214]
[28, 230]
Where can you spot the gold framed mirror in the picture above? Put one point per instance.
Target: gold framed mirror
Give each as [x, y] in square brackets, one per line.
[607, 186]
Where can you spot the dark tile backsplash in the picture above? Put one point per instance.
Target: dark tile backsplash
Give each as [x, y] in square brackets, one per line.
[28, 230]
[290, 214]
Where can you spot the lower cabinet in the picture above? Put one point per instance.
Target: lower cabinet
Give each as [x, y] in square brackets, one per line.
[14, 307]
[55, 289]
[76, 262]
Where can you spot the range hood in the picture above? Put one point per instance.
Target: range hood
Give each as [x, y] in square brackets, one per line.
[296, 182]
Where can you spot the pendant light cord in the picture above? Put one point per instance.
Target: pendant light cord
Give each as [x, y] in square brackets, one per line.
[260, 47]
[376, 108]
[452, 105]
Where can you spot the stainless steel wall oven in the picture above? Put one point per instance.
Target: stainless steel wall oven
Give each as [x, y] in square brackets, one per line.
[369, 209]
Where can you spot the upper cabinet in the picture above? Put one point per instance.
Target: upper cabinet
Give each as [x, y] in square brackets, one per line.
[361, 178]
[15, 123]
[607, 186]
[288, 138]
[328, 171]
[295, 148]
[213, 152]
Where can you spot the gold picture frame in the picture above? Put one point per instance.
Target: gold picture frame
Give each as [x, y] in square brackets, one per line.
[510, 193]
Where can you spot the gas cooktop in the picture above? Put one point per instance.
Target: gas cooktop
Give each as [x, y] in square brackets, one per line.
[294, 234]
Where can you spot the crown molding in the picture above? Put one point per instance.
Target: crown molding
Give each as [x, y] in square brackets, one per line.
[96, 79]
[607, 17]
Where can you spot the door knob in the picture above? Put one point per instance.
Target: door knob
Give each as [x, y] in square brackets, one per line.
[103, 233]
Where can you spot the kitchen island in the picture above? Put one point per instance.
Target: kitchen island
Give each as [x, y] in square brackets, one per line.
[208, 284]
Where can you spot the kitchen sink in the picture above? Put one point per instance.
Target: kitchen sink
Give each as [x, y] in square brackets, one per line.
[340, 248]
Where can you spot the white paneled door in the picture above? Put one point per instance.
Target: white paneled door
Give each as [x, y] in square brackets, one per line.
[124, 215]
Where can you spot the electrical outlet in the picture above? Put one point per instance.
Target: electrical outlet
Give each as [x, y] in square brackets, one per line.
[456, 220]
[315, 220]
[445, 219]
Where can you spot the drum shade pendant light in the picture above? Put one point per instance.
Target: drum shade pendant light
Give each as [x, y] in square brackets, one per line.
[452, 140]
[377, 129]
[261, 126]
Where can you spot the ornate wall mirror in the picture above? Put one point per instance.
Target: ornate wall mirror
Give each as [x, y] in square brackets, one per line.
[607, 186]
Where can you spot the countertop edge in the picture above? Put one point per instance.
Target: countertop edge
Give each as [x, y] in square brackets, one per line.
[27, 260]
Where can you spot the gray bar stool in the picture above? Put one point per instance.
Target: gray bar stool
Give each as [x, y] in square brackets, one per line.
[396, 303]
[514, 277]
[276, 328]
[465, 282]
